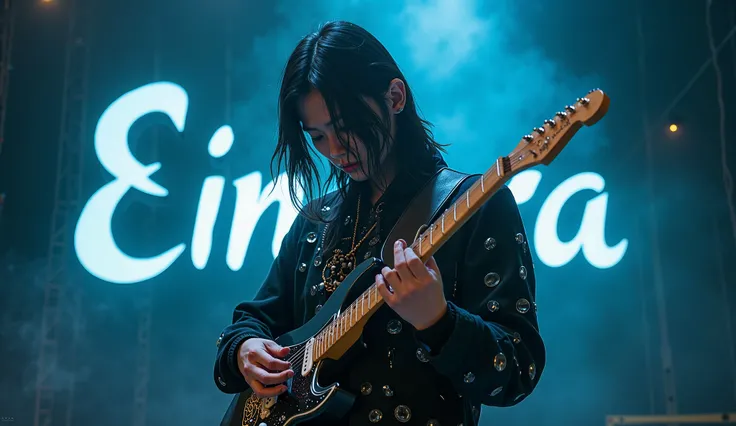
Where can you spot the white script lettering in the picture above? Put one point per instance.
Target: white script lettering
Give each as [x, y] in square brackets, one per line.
[98, 252]
[94, 242]
[590, 237]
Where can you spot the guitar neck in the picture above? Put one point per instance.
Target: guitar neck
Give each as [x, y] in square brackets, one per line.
[426, 244]
[540, 147]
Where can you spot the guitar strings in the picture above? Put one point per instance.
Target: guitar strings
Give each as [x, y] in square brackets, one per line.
[516, 159]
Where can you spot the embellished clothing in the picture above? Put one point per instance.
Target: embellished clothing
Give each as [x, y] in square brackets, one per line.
[486, 350]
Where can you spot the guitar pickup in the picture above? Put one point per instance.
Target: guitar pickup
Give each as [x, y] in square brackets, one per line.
[307, 362]
[269, 402]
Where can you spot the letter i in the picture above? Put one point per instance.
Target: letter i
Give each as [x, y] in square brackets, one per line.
[209, 200]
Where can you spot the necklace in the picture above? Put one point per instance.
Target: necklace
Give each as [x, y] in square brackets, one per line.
[341, 264]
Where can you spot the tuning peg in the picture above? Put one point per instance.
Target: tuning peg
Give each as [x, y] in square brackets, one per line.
[552, 123]
[561, 114]
[570, 108]
[528, 138]
[584, 101]
[539, 130]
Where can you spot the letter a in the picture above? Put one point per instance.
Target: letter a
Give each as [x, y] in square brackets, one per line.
[591, 234]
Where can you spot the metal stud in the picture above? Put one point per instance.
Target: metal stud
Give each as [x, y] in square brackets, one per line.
[317, 260]
[318, 288]
[325, 209]
[532, 371]
[522, 272]
[517, 338]
[302, 267]
[499, 361]
[311, 238]
[493, 306]
[497, 391]
[522, 306]
[492, 279]
[347, 220]
[317, 308]
[219, 340]
[469, 377]
[394, 327]
[387, 390]
[422, 355]
[366, 388]
[375, 416]
[367, 255]
[519, 238]
[490, 243]
[402, 413]
[433, 422]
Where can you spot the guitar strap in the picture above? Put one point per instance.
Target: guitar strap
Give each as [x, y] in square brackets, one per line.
[423, 209]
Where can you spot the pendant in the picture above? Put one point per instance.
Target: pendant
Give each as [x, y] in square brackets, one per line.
[337, 269]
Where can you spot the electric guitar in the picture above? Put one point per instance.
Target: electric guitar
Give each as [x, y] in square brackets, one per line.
[339, 324]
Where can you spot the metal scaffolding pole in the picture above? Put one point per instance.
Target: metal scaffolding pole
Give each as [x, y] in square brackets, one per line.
[62, 297]
[668, 374]
[7, 20]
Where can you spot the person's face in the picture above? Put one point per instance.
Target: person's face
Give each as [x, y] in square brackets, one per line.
[317, 122]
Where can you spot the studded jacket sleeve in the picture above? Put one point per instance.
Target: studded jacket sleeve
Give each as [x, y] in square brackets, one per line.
[492, 352]
[267, 316]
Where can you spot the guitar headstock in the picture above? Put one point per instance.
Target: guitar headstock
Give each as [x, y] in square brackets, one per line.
[545, 142]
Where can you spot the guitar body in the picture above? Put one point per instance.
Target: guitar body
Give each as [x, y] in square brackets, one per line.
[307, 398]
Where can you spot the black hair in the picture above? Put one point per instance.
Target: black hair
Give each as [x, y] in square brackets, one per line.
[346, 64]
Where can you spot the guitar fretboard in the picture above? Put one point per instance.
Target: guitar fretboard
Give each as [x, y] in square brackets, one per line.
[428, 242]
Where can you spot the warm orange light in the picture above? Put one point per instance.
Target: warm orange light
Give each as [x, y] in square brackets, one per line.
[673, 128]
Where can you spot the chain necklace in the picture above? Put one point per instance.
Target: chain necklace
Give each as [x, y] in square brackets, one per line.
[342, 264]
